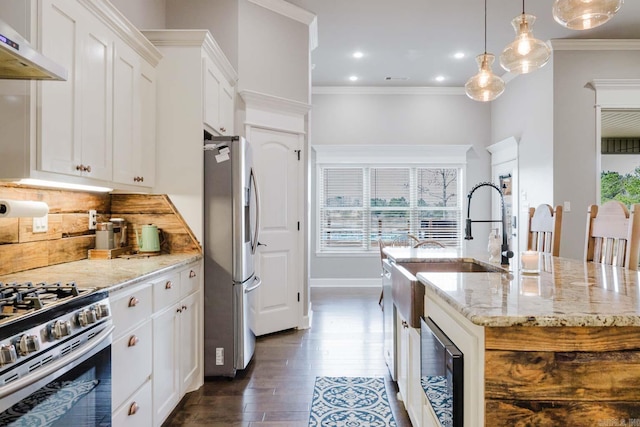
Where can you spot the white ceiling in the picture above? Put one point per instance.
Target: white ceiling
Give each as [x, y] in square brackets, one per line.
[415, 39]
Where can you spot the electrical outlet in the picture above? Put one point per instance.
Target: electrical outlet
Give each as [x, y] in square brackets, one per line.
[93, 219]
[567, 206]
[41, 224]
[219, 356]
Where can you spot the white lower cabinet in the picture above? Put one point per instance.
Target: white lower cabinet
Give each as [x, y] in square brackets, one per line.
[131, 354]
[137, 410]
[408, 366]
[157, 346]
[177, 339]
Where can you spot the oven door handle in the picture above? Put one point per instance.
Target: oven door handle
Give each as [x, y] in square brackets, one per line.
[55, 366]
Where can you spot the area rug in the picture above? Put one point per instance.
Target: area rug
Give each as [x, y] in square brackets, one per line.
[350, 401]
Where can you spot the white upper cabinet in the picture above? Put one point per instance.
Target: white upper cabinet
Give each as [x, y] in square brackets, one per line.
[98, 126]
[218, 99]
[75, 137]
[134, 95]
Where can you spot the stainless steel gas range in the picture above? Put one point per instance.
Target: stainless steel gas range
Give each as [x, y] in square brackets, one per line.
[55, 355]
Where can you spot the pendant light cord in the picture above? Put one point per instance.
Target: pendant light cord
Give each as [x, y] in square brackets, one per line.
[485, 27]
[523, 7]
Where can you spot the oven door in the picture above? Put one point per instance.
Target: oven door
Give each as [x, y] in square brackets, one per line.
[75, 390]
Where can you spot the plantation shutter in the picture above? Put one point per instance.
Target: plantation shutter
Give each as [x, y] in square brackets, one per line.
[438, 212]
[342, 208]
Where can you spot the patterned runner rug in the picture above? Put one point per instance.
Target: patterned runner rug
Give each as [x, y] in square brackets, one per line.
[350, 401]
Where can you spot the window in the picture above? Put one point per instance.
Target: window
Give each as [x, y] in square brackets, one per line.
[359, 204]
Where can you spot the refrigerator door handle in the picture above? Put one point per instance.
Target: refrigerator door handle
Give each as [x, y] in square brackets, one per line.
[255, 286]
[256, 232]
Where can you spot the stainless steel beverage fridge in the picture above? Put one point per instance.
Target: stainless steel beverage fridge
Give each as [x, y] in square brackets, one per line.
[231, 224]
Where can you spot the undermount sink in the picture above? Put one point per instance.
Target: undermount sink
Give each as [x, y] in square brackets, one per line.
[408, 292]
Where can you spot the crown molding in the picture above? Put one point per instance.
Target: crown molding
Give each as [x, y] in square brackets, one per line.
[195, 38]
[595, 44]
[401, 154]
[112, 17]
[287, 9]
[376, 90]
[264, 101]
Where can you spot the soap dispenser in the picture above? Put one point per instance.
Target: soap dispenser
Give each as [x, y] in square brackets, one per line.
[494, 246]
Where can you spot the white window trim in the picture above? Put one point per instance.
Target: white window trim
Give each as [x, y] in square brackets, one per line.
[440, 156]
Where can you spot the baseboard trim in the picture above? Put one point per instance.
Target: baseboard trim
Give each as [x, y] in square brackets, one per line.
[346, 283]
[307, 320]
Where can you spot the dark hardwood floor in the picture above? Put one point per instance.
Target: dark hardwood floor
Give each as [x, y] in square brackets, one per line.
[276, 389]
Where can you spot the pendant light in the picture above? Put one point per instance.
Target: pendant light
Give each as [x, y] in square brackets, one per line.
[526, 53]
[584, 14]
[484, 86]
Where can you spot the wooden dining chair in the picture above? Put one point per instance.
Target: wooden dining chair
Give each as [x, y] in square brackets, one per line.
[613, 234]
[545, 226]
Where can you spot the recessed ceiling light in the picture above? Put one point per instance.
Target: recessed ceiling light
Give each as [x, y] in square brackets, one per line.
[358, 55]
[353, 78]
[459, 55]
[439, 78]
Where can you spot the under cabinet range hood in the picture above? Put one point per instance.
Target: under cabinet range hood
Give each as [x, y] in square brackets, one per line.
[20, 61]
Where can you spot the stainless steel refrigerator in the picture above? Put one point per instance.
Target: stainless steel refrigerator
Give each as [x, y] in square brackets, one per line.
[231, 224]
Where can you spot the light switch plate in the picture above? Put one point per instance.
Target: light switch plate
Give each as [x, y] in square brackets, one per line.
[567, 206]
[41, 224]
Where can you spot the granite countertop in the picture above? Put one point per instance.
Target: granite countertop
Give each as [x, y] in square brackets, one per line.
[109, 274]
[565, 293]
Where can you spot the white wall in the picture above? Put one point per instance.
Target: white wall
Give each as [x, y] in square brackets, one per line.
[144, 14]
[273, 55]
[621, 163]
[405, 120]
[525, 111]
[574, 121]
[220, 17]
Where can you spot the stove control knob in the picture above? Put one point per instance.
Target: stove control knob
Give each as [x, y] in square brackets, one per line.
[60, 329]
[102, 311]
[8, 354]
[28, 344]
[86, 317]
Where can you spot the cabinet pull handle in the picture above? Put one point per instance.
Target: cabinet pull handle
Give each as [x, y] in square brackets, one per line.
[405, 324]
[133, 340]
[133, 408]
[80, 167]
[223, 129]
[133, 302]
[192, 274]
[179, 310]
[168, 285]
[184, 308]
[87, 169]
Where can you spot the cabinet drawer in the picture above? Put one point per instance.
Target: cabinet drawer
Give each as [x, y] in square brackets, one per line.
[136, 411]
[130, 307]
[189, 280]
[131, 362]
[166, 291]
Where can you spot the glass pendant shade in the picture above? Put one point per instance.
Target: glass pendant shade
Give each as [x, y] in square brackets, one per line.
[584, 14]
[484, 86]
[526, 53]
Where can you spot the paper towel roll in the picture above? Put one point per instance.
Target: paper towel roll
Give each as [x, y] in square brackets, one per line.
[22, 209]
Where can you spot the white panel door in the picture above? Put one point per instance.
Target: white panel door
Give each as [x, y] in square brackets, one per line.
[279, 262]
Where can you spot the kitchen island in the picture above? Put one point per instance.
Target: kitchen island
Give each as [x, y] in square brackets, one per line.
[561, 347]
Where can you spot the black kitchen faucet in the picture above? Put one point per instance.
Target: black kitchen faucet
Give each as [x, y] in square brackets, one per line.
[505, 253]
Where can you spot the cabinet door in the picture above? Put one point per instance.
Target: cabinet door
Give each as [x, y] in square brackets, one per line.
[133, 119]
[402, 351]
[227, 94]
[147, 153]
[59, 136]
[126, 141]
[75, 115]
[414, 387]
[96, 99]
[211, 102]
[189, 341]
[136, 411]
[130, 354]
[166, 383]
